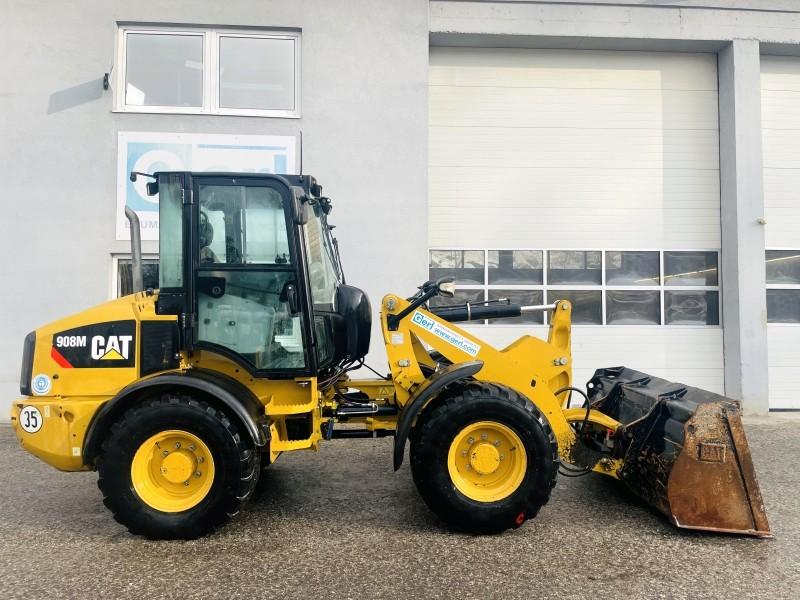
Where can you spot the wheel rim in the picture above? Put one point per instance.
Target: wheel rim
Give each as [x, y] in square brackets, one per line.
[172, 471]
[487, 461]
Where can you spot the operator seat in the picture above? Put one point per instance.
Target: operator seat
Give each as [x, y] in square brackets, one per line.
[207, 255]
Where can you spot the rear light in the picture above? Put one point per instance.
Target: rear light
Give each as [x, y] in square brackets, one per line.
[27, 364]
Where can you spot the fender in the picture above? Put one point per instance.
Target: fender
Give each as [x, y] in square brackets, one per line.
[235, 396]
[432, 386]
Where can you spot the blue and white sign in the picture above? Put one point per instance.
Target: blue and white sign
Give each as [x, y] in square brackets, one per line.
[41, 384]
[152, 151]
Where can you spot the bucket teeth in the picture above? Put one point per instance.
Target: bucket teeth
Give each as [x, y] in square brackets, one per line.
[685, 452]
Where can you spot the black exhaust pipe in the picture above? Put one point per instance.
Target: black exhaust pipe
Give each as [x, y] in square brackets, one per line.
[136, 250]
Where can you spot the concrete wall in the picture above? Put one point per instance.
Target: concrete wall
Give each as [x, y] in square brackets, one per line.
[364, 124]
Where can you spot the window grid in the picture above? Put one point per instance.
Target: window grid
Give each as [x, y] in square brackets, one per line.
[782, 286]
[546, 287]
[210, 67]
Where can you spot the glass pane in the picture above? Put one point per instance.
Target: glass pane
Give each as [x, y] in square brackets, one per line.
[633, 307]
[465, 265]
[632, 268]
[690, 268]
[460, 297]
[242, 225]
[783, 266]
[587, 305]
[515, 266]
[523, 298]
[574, 266]
[256, 73]
[170, 224]
[242, 311]
[125, 275]
[783, 306]
[322, 274]
[163, 70]
[691, 308]
[325, 343]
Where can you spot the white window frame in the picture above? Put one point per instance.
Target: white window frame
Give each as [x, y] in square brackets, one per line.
[781, 286]
[211, 64]
[661, 288]
[115, 258]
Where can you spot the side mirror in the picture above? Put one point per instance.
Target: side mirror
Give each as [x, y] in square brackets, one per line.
[289, 296]
[446, 286]
[300, 207]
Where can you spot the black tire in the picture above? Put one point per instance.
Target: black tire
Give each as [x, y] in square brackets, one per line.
[236, 464]
[438, 426]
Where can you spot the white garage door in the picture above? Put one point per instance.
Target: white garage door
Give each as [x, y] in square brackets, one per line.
[585, 175]
[780, 105]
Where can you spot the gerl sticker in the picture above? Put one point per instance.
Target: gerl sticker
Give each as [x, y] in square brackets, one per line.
[448, 335]
[30, 419]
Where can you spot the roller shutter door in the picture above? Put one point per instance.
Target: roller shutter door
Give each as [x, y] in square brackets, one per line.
[780, 105]
[590, 175]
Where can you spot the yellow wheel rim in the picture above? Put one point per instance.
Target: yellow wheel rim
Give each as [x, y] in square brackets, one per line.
[172, 471]
[487, 461]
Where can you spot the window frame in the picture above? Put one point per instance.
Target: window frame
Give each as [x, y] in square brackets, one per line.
[211, 64]
[116, 257]
[546, 287]
[780, 286]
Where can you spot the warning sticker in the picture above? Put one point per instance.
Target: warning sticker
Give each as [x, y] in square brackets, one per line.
[448, 335]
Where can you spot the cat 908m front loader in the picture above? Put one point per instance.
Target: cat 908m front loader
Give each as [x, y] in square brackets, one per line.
[180, 396]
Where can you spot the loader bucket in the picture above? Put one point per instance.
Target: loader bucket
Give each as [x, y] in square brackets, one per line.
[684, 451]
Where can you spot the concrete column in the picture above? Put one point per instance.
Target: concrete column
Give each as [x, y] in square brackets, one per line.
[744, 306]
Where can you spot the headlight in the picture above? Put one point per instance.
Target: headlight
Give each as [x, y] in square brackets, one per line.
[27, 364]
[447, 287]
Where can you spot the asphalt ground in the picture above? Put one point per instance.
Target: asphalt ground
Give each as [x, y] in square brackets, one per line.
[340, 524]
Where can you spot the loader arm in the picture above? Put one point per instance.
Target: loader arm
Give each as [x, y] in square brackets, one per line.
[533, 367]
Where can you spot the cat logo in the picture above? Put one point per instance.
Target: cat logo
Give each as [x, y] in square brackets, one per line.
[112, 347]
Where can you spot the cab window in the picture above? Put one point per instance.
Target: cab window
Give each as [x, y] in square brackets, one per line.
[242, 225]
[322, 273]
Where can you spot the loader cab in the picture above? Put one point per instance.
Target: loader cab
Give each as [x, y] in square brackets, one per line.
[249, 266]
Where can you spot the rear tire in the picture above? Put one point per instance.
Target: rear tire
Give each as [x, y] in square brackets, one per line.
[147, 493]
[466, 459]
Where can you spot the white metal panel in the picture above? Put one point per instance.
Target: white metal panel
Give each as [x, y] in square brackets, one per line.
[581, 149]
[573, 147]
[784, 365]
[690, 355]
[780, 118]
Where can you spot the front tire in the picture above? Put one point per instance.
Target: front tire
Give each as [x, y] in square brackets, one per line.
[176, 468]
[483, 458]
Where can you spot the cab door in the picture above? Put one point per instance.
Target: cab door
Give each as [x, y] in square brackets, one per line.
[248, 301]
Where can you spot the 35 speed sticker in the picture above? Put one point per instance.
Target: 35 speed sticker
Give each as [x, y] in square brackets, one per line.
[30, 419]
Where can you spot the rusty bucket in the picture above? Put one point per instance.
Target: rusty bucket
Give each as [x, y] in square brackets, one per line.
[684, 451]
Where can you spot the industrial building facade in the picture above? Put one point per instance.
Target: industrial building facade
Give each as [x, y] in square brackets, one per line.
[639, 158]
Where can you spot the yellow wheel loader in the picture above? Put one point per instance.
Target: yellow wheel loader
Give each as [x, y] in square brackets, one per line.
[179, 397]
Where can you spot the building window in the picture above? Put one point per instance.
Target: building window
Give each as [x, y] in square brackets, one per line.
[606, 287]
[208, 71]
[123, 275]
[783, 286]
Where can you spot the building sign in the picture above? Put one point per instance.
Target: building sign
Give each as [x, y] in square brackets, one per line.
[151, 151]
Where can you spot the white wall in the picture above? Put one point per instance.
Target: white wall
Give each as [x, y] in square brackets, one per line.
[364, 124]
